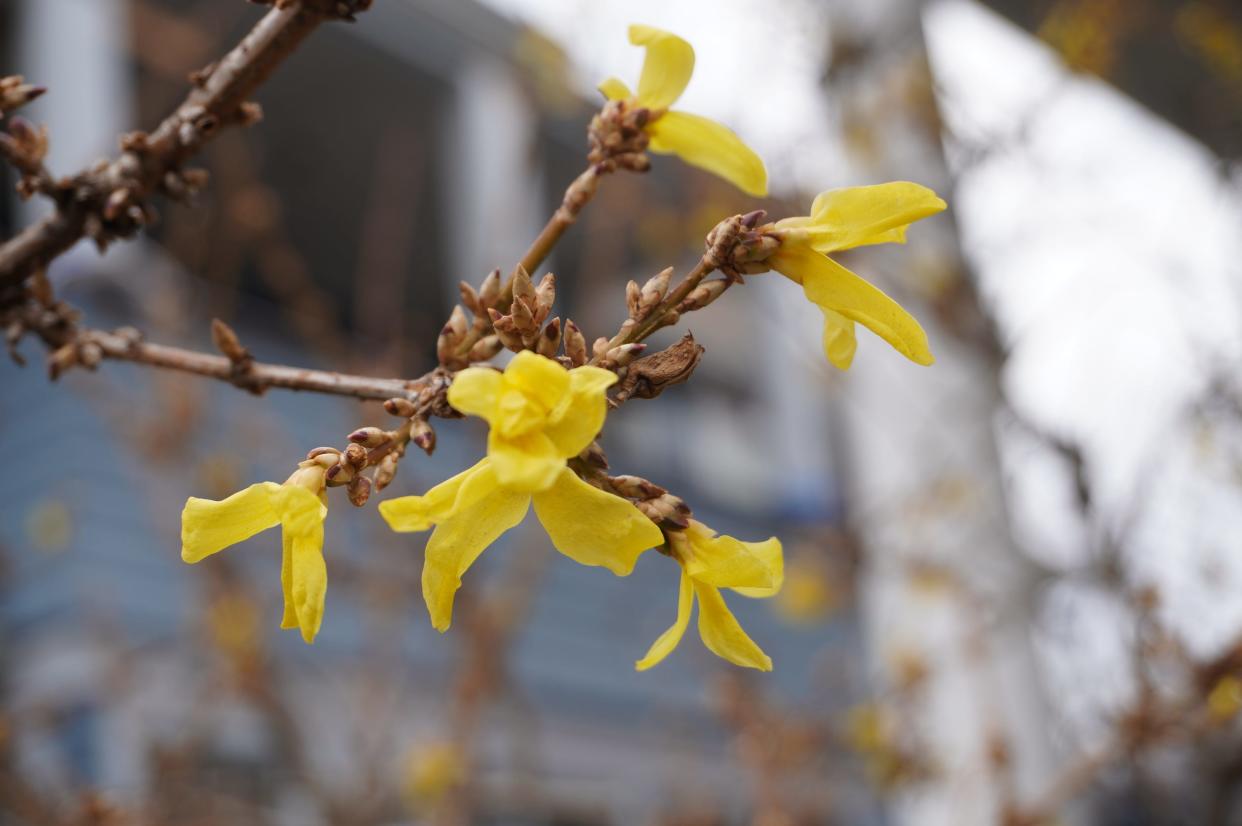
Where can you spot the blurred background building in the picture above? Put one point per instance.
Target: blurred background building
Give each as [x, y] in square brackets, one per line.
[1013, 589]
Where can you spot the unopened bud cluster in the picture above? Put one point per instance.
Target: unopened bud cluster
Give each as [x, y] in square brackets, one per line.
[522, 328]
[656, 503]
[617, 137]
[742, 244]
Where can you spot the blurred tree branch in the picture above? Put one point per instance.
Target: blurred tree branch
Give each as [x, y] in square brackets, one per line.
[109, 201]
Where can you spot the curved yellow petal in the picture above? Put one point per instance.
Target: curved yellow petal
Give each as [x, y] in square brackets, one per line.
[483, 511]
[406, 514]
[303, 572]
[582, 418]
[666, 68]
[592, 527]
[538, 378]
[615, 89]
[475, 392]
[517, 413]
[708, 145]
[772, 556]
[529, 462]
[309, 579]
[589, 382]
[723, 561]
[289, 619]
[666, 642]
[833, 287]
[721, 633]
[209, 526]
[840, 342]
[860, 215]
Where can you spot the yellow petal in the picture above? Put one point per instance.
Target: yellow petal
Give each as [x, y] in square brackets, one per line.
[833, 287]
[581, 420]
[860, 215]
[517, 413]
[772, 556]
[592, 527]
[528, 463]
[840, 342]
[708, 145]
[666, 68]
[615, 89]
[418, 513]
[475, 391]
[723, 561]
[666, 642]
[208, 526]
[483, 511]
[309, 580]
[539, 378]
[301, 520]
[289, 619]
[721, 633]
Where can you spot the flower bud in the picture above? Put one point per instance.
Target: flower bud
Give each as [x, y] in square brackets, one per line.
[403, 408]
[359, 491]
[369, 436]
[457, 322]
[339, 474]
[423, 435]
[469, 297]
[702, 295]
[355, 456]
[666, 508]
[623, 355]
[636, 487]
[550, 339]
[655, 288]
[485, 348]
[575, 344]
[523, 317]
[633, 298]
[489, 291]
[523, 289]
[546, 291]
[506, 330]
[387, 471]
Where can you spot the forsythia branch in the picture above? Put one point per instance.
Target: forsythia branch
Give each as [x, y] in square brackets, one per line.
[109, 201]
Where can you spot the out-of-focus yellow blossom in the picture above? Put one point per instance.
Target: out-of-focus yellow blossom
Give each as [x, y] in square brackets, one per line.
[233, 624]
[696, 140]
[709, 563]
[1225, 699]
[432, 771]
[841, 219]
[299, 507]
[809, 595]
[540, 415]
[49, 526]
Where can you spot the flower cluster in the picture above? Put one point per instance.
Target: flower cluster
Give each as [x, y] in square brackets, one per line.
[545, 411]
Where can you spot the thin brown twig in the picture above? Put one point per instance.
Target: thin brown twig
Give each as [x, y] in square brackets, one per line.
[256, 377]
[577, 195]
[109, 202]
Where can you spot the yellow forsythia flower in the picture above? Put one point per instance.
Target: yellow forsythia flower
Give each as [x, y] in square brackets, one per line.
[841, 219]
[299, 507]
[696, 140]
[709, 563]
[540, 415]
